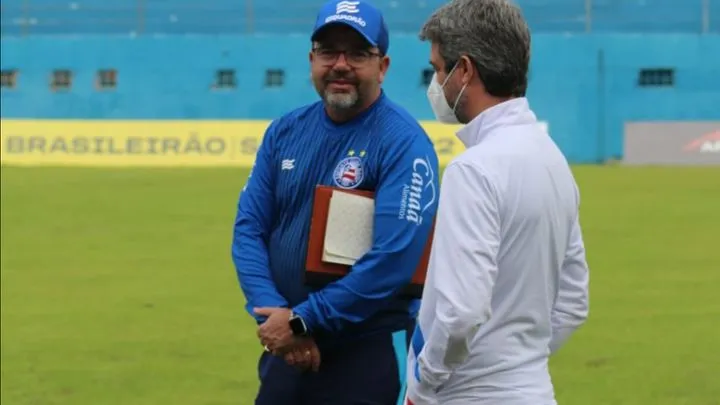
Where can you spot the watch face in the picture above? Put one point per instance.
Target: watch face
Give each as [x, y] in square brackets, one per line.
[297, 326]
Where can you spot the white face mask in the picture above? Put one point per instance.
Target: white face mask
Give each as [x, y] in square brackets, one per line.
[436, 95]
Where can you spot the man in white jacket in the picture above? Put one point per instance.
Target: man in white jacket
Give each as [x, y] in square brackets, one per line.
[508, 278]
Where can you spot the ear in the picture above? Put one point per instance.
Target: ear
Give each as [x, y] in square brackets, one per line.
[468, 69]
[384, 66]
[311, 56]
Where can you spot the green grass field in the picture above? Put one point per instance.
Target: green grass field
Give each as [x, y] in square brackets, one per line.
[118, 289]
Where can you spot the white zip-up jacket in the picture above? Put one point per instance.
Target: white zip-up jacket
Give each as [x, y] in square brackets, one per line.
[508, 280]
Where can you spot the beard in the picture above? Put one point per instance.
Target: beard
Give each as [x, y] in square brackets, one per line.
[459, 108]
[341, 100]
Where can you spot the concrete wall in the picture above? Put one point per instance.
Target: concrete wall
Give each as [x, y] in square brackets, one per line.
[585, 86]
[112, 17]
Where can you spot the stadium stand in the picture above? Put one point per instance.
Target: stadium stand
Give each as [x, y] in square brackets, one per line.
[593, 68]
[62, 17]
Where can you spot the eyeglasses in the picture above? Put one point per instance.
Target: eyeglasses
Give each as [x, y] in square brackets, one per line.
[353, 57]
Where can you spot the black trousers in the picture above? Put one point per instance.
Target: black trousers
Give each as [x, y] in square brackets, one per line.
[366, 371]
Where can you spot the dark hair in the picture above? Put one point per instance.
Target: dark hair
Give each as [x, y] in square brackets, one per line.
[492, 33]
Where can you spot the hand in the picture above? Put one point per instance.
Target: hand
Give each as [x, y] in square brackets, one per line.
[419, 393]
[275, 333]
[304, 355]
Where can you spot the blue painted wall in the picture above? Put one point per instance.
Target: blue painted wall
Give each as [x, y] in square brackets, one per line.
[584, 86]
[44, 17]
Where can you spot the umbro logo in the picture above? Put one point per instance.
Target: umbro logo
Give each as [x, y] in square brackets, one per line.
[349, 7]
[287, 164]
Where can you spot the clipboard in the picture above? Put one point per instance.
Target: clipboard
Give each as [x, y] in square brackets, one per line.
[320, 273]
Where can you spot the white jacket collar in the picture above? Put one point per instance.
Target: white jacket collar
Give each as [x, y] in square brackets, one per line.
[515, 111]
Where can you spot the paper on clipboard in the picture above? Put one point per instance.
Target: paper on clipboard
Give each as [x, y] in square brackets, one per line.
[349, 228]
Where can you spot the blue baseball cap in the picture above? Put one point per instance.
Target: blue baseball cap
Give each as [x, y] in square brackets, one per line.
[360, 15]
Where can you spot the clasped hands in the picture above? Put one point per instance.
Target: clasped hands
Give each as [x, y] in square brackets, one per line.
[277, 338]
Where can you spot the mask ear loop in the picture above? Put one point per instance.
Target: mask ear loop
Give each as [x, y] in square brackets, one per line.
[457, 99]
[449, 74]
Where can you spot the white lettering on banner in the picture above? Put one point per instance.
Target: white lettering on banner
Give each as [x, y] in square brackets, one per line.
[420, 189]
[357, 20]
[710, 147]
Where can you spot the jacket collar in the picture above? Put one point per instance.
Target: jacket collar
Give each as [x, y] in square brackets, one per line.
[515, 111]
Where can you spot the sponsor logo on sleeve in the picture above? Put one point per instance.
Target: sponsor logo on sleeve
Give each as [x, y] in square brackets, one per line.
[419, 194]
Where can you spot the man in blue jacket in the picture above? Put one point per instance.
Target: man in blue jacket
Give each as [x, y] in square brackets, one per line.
[351, 332]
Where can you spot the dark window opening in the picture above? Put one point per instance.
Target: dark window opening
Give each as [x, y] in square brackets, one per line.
[225, 79]
[8, 78]
[656, 77]
[274, 78]
[107, 78]
[61, 79]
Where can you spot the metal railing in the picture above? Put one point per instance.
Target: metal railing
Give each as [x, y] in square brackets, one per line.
[146, 17]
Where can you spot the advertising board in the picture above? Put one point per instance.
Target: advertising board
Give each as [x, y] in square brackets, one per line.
[98, 143]
[672, 143]
[152, 143]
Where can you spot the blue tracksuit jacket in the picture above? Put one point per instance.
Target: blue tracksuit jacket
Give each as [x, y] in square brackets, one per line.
[384, 150]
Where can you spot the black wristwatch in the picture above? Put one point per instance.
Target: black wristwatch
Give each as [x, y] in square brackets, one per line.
[297, 325]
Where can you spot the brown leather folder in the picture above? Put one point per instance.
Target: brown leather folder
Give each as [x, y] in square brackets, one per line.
[319, 273]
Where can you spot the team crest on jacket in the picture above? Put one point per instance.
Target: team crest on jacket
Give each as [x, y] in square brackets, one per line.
[349, 172]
